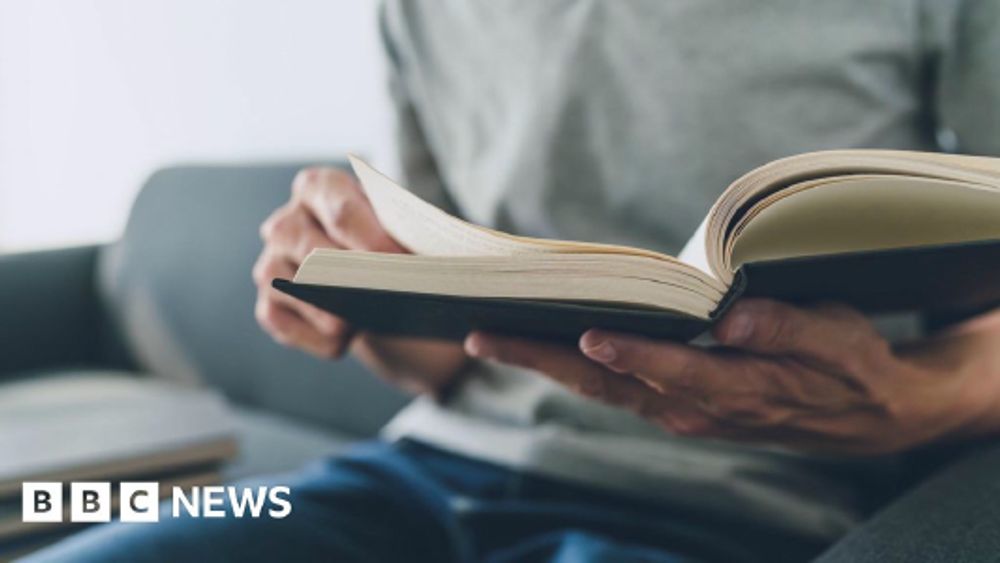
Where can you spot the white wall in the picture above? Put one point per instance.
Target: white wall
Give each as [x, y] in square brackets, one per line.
[95, 94]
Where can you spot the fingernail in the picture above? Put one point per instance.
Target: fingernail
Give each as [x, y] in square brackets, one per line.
[603, 352]
[475, 347]
[739, 330]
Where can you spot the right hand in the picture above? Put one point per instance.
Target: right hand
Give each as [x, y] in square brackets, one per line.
[327, 209]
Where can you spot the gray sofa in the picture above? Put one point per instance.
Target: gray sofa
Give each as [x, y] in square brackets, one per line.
[173, 299]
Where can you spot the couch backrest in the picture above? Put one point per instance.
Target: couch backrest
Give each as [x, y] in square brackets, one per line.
[178, 286]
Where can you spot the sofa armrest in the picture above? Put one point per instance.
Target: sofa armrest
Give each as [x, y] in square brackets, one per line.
[49, 312]
[952, 516]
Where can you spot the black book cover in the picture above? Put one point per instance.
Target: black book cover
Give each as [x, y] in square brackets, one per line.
[953, 277]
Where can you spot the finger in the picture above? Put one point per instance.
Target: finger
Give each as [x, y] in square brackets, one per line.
[289, 329]
[286, 223]
[678, 411]
[332, 327]
[663, 365]
[732, 389]
[270, 267]
[293, 233]
[734, 396]
[769, 327]
[566, 366]
[338, 204]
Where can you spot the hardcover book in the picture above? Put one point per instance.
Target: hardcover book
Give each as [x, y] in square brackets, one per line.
[884, 231]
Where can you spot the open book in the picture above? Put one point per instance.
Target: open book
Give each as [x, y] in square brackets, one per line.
[880, 230]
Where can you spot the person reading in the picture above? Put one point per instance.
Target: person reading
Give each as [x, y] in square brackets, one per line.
[620, 123]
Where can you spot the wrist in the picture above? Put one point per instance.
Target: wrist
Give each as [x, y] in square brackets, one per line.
[970, 362]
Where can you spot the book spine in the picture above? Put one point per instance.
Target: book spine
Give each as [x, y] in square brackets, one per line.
[736, 290]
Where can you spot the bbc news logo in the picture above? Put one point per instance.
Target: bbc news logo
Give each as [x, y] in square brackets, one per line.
[140, 502]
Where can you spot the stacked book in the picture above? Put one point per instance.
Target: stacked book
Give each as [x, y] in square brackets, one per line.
[103, 427]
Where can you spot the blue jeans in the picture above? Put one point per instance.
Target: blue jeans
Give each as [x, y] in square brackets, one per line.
[411, 502]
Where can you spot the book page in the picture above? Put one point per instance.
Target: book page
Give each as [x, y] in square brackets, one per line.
[695, 252]
[599, 278]
[426, 230]
[856, 213]
[784, 173]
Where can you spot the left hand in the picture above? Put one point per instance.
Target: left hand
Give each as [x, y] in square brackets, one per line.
[819, 379]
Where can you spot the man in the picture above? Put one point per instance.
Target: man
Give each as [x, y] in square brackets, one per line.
[620, 122]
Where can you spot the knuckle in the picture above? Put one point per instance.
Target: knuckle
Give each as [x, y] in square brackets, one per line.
[303, 180]
[267, 227]
[342, 180]
[283, 227]
[266, 314]
[281, 223]
[342, 214]
[260, 270]
[333, 177]
[303, 175]
[319, 179]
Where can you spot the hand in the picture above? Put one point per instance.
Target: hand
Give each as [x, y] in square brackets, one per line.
[327, 210]
[818, 379]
